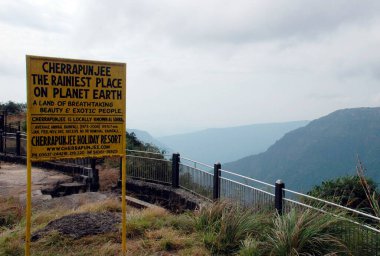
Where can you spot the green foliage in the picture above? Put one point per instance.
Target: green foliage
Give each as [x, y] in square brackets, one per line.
[250, 247]
[13, 107]
[305, 233]
[183, 222]
[138, 223]
[152, 219]
[347, 191]
[133, 143]
[11, 247]
[225, 226]
[371, 194]
[10, 212]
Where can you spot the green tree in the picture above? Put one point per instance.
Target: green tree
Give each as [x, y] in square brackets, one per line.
[133, 143]
[347, 191]
[13, 107]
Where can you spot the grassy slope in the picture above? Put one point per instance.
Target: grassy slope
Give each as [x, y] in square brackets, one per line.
[149, 231]
[218, 229]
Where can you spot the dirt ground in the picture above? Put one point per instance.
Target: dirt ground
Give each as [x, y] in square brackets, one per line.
[13, 179]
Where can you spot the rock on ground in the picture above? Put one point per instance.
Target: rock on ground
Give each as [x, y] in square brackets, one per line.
[82, 224]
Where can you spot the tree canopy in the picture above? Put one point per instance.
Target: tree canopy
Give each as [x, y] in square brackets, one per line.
[13, 107]
[133, 143]
[347, 191]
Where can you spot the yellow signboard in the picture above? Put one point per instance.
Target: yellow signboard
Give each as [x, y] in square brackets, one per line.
[76, 108]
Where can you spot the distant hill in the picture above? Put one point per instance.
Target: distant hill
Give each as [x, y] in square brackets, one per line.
[228, 144]
[147, 138]
[326, 148]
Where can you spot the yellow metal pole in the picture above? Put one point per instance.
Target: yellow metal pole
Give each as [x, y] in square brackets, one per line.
[124, 175]
[123, 206]
[28, 194]
[28, 170]
[28, 207]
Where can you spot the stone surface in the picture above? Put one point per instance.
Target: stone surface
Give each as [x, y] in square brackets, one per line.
[13, 179]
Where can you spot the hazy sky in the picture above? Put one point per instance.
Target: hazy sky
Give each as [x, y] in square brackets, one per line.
[215, 63]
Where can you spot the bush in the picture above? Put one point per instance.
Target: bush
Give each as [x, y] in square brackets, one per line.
[10, 212]
[250, 247]
[347, 191]
[305, 233]
[226, 225]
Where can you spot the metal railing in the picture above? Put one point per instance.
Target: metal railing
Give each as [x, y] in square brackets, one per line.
[9, 142]
[196, 177]
[247, 191]
[148, 166]
[213, 183]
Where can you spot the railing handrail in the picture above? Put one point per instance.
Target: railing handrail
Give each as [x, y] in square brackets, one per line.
[195, 168]
[248, 178]
[333, 204]
[335, 215]
[146, 152]
[197, 162]
[248, 186]
[144, 157]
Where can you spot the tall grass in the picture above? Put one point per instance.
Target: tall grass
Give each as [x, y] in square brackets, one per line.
[10, 212]
[306, 233]
[372, 195]
[226, 225]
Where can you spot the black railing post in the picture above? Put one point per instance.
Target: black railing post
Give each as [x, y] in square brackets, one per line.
[1, 141]
[5, 113]
[18, 143]
[175, 170]
[2, 121]
[95, 176]
[279, 195]
[217, 174]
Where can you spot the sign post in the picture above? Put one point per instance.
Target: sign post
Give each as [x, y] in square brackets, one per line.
[76, 109]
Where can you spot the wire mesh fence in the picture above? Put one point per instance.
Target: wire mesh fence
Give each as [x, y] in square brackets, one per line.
[196, 177]
[246, 191]
[148, 166]
[12, 128]
[246, 195]
[196, 180]
[9, 143]
[360, 230]
[23, 144]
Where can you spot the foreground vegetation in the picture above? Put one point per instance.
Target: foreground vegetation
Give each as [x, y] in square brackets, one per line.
[218, 229]
[149, 231]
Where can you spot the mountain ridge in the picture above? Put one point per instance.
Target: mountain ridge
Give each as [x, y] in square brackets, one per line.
[325, 148]
[230, 143]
